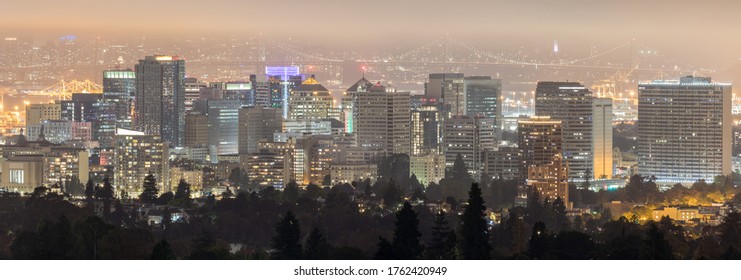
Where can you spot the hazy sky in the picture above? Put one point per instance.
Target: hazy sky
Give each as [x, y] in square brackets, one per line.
[681, 26]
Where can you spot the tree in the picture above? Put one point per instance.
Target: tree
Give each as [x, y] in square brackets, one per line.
[162, 251]
[317, 247]
[149, 189]
[539, 243]
[327, 180]
[729, 231]
[89, 189]
[107, 190]
[290, 192]
[406, 240]
[183, 190]
[459, 170]
[391, 194]
[655, 246]
[442, 246]
[385, 250]
[474, 241]
[285, 242]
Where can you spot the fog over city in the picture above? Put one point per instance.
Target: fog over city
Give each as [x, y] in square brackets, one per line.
[702, 32]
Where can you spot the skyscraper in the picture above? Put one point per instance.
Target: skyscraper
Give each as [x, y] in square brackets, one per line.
[119, 87]
[571, 103]
[483, 96]
[137, 154]
[602, 138]
[684, 129]
[310, 101]
[160, 98]
[450, 88]
[426, 129]
[469, 136]
[381, 118]
[255, 124]
[539, 140]
[223, 128]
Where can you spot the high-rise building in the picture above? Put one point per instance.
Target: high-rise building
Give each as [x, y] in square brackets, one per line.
[241, 91]
[483, 97]
[119, 88]
[255, 124]
[37, 113]
[550, 180]
[602, 138]
[428, 167]
[160, 98]
[382, 119]
[310, 101]
[468, 136]
[539, 140]
[196, 130]
[281, 80]
[450, 89]
[223, 126]
[571, 103]
[503, 162]
[192, 88]
[426, 129]
[136, 155]
[684, 129]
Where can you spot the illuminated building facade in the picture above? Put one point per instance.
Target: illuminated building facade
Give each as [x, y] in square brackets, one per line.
[281, 80]
[483, 97]
[223, 126]
[426, 129]
[450, 89]
[310, 101]
[428, 167]
[255, 124]
[160, 98]
[382, 119]
[602, 138]
[571, 103]
[550, 180]
[196, 130]
[136, 155]
[22, 173]
[539, 140]
[468, 136]
[119, 88]
[348, 173]
[192, 177]
[37, 113]
[503, 162]
[684, 129]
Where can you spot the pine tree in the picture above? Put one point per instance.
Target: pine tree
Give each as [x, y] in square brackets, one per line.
[474, 238]
[406, 243]
[162, 251]
[286, 240]
[539, 243]
[317, 247]
[107, 190]
[459, 170]
[149, 189]
[290, 192]
[442, 246]
[183, 190]
[655, 246]
[89, 189]
[385, 250]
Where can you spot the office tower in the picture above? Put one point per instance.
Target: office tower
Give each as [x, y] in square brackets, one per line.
[571, 103]
[160, 98]
[196, 130]
[192, 88]
[266, 166]
[539, 140]
[310, 101]
[483, 97]
[119, 88]
[61, 163]
[450, 90]
[255, 124]
[241, 91]
[428, 167]
[426, 129]
[261, 89]
[136, 155]
[348, 100]
[684, 129]
[468, 136]
[602, 138]
[80, 107]
[503, 162]
[281, 80]
[382, 119]
[223, 126]
[37, 113]
[550, 180]
[308, 159]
